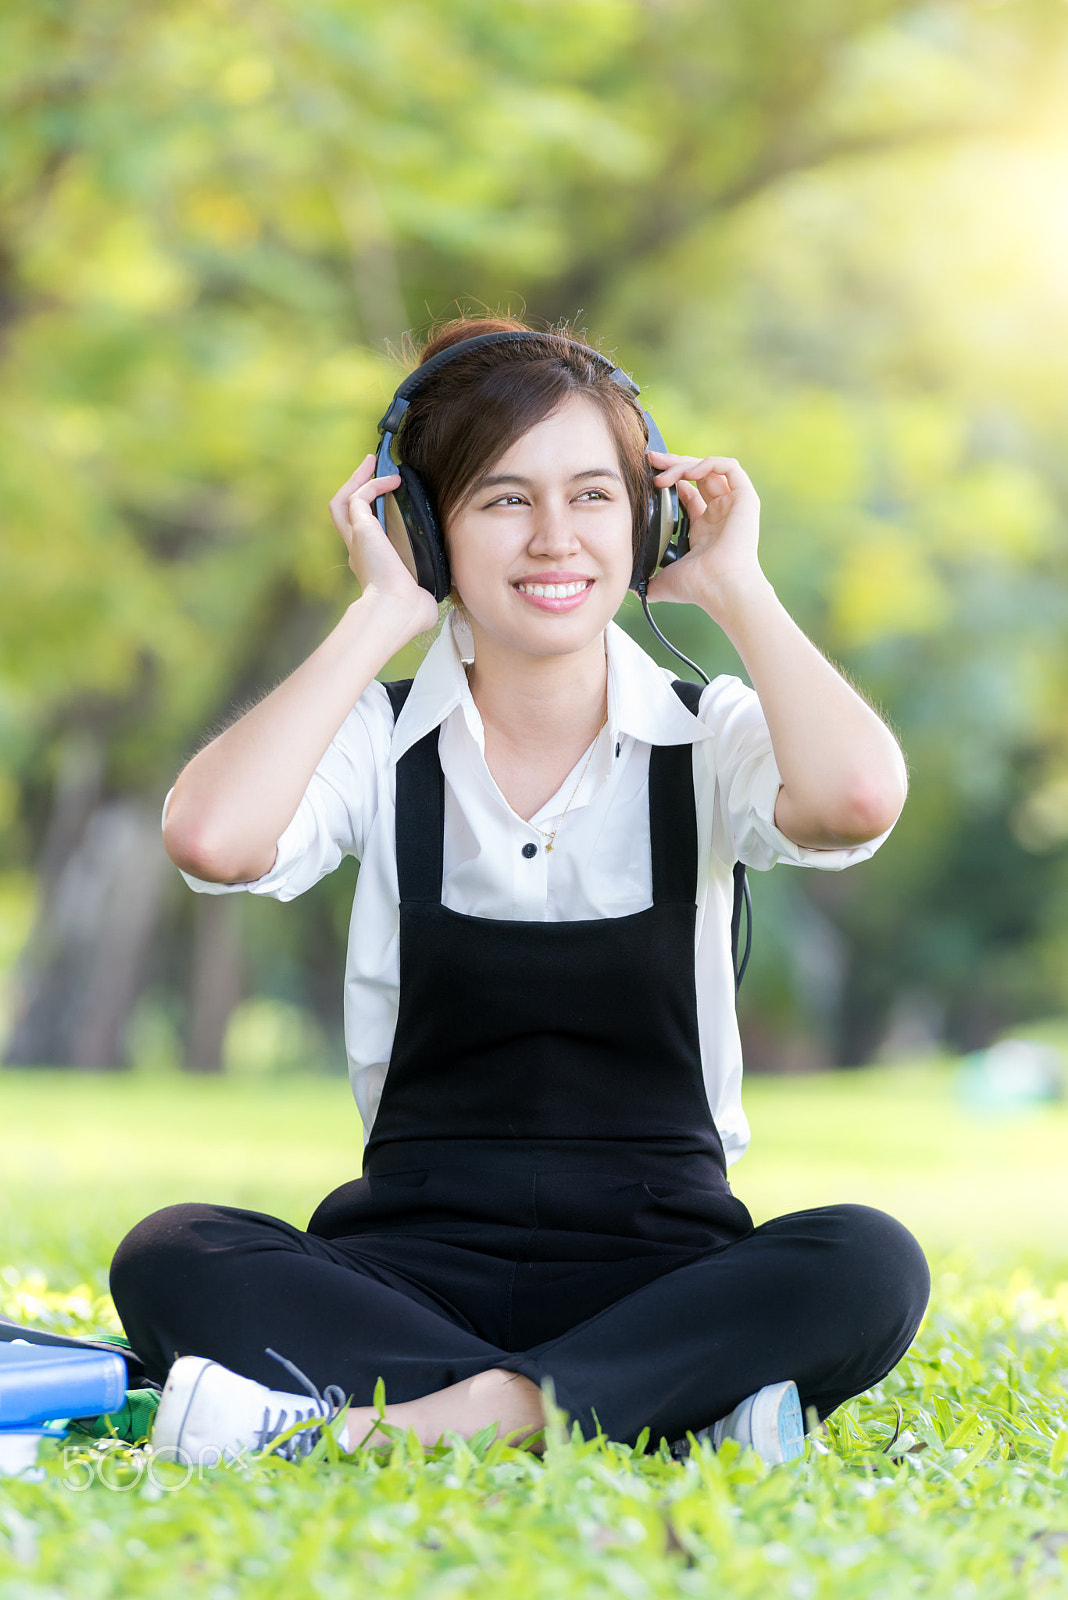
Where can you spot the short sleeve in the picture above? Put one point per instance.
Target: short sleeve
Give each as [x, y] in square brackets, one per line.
[337, 810]
[739, 768]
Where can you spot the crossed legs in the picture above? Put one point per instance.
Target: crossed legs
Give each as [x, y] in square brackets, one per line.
[831, 1298]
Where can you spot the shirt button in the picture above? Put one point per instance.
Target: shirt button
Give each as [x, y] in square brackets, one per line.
[530, 851]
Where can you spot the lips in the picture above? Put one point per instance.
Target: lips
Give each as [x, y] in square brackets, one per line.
[554, 593]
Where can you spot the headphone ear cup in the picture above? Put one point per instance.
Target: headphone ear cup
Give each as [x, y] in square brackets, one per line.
[392, 519]
[661, 522]
[421, 520]
[411, 523]
[663, 517]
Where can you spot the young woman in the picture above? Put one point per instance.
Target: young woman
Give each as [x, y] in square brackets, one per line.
[539, 990]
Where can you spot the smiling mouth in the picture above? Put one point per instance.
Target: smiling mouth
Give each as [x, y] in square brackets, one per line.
[555, 591]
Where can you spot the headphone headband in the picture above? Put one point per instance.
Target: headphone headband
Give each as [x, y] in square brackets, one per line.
[415, 380]
[409, 516]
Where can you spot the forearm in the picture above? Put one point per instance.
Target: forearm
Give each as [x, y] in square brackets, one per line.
[843, 774]
[232, 802]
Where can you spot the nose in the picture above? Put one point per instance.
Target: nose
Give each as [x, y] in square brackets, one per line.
[553, 532]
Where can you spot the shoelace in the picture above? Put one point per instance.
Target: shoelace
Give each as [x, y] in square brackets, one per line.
[327, 1406]
[680, 1450]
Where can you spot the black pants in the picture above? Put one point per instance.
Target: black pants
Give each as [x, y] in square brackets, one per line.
[670, 1338]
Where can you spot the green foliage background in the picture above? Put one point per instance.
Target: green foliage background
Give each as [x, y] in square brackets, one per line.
[831, 239]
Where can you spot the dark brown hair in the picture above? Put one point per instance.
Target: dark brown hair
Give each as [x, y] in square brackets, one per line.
[476, 406]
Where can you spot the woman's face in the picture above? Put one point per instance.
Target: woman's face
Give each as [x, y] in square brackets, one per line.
[540, 549]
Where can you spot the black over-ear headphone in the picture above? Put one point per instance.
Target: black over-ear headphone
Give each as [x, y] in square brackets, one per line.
[410, 518]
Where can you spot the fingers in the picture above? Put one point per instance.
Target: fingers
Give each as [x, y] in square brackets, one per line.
[693, 502]
[671, 469]
[362, 486]
[370, 491]
[361, 476]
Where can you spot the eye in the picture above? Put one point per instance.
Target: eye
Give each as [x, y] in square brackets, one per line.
[505, 500]
[594, 494]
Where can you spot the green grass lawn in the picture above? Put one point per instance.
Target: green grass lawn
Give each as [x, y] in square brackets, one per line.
[971, 1500]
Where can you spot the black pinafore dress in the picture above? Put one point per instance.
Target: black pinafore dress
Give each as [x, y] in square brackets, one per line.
[544, 1145]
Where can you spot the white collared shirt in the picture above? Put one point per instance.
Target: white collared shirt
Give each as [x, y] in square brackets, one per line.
[600, 862]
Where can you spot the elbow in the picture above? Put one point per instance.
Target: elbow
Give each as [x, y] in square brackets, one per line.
[195, 849]
[868, 808]
[851, 809]
[192, 850]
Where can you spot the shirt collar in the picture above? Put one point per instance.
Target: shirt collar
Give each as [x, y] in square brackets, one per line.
[438, 688]
[641, 701]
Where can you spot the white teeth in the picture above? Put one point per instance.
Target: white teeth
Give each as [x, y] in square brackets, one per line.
[553, 591]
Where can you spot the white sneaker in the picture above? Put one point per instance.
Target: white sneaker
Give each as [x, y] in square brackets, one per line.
[208, 1414]
[768, 1422]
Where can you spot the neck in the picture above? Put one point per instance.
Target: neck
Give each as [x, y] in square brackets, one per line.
[540, 701]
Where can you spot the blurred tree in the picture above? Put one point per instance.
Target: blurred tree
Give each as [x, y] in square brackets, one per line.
[214, 216]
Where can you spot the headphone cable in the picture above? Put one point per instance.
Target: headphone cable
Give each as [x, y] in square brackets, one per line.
[742, 896]
[643, 585]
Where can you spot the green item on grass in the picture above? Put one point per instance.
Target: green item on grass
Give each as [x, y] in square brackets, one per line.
[133, 1422]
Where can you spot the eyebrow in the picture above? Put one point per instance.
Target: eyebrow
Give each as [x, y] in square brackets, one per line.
[494, 480]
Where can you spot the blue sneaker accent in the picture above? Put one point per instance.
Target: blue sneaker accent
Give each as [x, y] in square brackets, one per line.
[769, 1422]
[791, 1425]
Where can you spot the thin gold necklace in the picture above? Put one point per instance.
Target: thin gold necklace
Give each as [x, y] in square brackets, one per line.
[551, 836]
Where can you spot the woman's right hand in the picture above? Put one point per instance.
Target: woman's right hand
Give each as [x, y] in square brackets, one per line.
[233, 801]
[381, 573]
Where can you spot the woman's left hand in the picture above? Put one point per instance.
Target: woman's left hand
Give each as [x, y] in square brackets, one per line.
[724, 514]
[843, 776]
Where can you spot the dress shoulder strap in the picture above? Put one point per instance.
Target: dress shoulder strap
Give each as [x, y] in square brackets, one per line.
[690, 695]
[398, 693]
[672, 823]
[420, 810]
